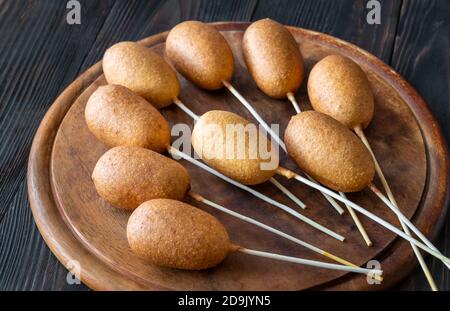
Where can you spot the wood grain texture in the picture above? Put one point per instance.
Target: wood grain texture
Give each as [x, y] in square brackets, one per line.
[134, 20]
[103, 24]
[44, 18]
[75, 152]
[421, 56]
[24, 247]
[40, 55]
[344, 19]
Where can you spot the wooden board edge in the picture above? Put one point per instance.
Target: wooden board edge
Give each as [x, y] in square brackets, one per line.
[47, 218]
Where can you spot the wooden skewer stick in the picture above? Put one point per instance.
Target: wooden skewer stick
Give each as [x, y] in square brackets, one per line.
[294, 103]
[422, 262]
[403, 218]
[176, 154]
[352, 213]
[282, 188]
[333, 203]
[311, 247]
[357, 222]
[185, 109]
[254, 113]
[429, 248]
[261, 225]
[275, 136]
[289, 174]
[289, 194]
[308, 262]
[358, 130]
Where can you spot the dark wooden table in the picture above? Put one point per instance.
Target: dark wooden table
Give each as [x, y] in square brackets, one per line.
[40, 54]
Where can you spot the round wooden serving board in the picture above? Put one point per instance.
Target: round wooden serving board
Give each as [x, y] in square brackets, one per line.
[79, 226]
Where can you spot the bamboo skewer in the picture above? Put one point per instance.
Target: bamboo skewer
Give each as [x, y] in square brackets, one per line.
[352, 213]
[430, 249]
[293, 101]
[282, 188]
[314, 263]
[247, 219]
[358, 223]
[437, 254]
[275, 136]
[254, 114]
[408, 223]
[177, 153]
[396, 209]
[358, 130]
[333, 203]
[289, 174]
[289, 194]
[185, 109]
